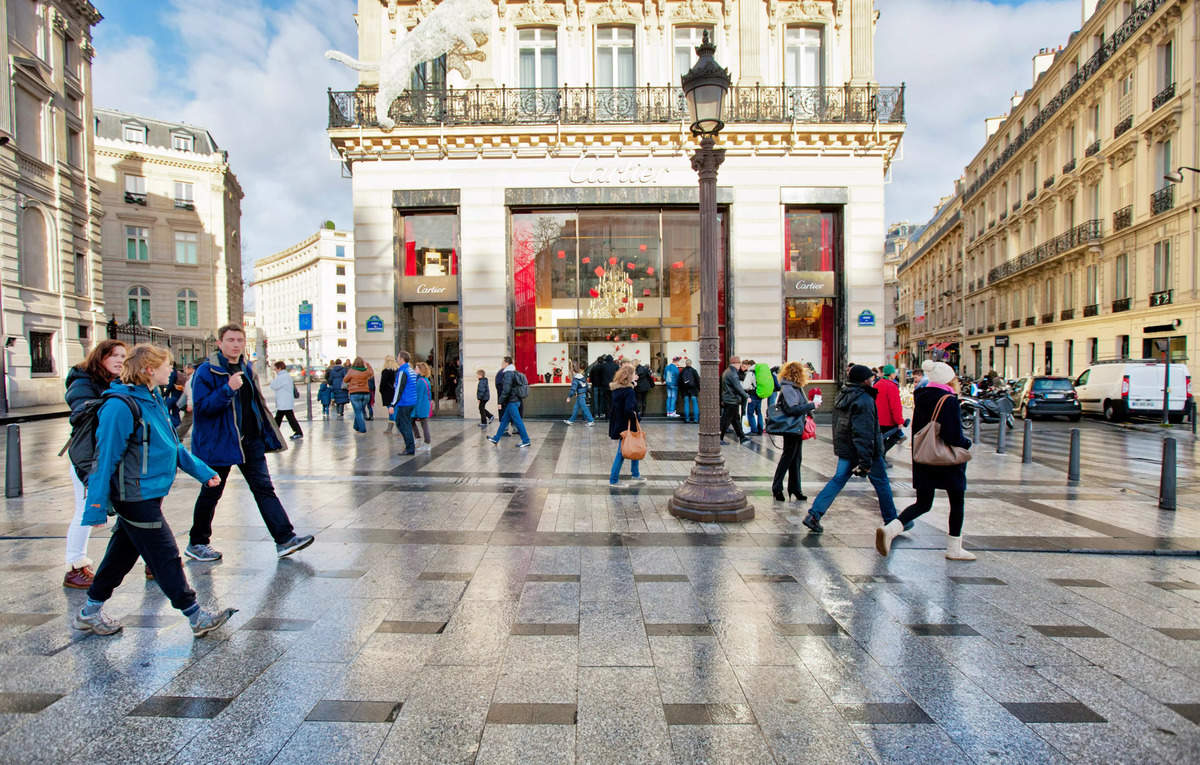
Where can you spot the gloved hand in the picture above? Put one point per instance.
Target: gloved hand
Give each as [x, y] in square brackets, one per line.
[861, 470]
[906, 422]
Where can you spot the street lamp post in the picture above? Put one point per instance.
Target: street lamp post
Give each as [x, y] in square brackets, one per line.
[1176, 178]
[709, 493]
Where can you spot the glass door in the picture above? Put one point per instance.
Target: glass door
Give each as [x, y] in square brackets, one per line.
[432, 337]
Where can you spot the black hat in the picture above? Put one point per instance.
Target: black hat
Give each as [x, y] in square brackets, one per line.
[860, 374]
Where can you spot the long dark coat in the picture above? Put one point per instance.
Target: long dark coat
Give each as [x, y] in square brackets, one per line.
[939, 476]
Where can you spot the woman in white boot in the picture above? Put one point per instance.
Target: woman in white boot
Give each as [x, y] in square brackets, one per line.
[942, 384]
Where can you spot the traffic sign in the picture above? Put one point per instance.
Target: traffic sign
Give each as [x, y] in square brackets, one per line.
[306, 315]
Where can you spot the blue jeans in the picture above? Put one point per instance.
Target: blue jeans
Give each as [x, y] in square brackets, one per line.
[754, 414]
[616, 468]
[878, 478]
[672, 394]
[359, 402]
[581, 408]
[512, 413]
[771, 402]
[404, 425]
[691, 404]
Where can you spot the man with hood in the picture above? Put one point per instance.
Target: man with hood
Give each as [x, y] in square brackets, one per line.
[508, 401]
[858, 445]
[232, 427]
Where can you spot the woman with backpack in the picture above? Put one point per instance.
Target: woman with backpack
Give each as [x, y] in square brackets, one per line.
[85, 383]
[337, 377]
[621, 417]
[148, 465]
[796, 409]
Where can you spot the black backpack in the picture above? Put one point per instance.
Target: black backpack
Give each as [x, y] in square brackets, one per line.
[521, 385]
[81, 447]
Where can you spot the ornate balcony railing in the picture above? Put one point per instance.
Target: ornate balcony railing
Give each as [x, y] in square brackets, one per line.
[1092, 149]
[1123, 218]
[1047, 318]
[1163, 96]
[1066, 314]
[1121, 304]
[1163, 199]
[1002, 326]
[134, 198]
[1122, 126]
[1091, 310]
[1069, 166]
[1089, 231]
[637, 105]
[1132, 23]
[1003, 214]
[185, 204]
[900, 320]
[1048, 182]
[1016, 205]
[1162, 297]
[1032, 193]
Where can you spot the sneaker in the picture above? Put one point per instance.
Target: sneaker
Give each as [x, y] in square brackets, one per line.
[568, 422]
[207, 621]
[813, 523]
[98, 623]
[591, 424]
[78, 578]
[297, 436]
[524, 444]
[491, 419]
[495, 441]
[294, 544]
[724, 442]
[483, 424]
[202, 553]
[744, 441]
[637, 479]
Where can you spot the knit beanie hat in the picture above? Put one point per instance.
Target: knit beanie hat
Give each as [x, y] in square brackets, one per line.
[926, 365]
[860, 374]
[940, 372]
[888, 369]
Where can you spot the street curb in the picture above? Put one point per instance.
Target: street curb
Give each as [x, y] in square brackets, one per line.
[10, 418]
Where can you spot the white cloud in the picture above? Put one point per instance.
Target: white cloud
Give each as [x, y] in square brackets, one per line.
[962, 61]
[255, 77]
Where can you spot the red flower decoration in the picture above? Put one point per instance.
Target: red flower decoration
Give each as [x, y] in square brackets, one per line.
[612, 261]
[630, 266]
[598, 271]
[585, 259]
[638, 351]
[593, 292]
[650, 271]
[624, 300]
[628, 280]
[621, 310]
[642, 247]
[646, 292]
[677, 264]
[561, 255]
[633, 336]
[640, 306]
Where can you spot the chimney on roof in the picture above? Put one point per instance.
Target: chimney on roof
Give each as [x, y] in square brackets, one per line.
[1042, 62]
[991, 125]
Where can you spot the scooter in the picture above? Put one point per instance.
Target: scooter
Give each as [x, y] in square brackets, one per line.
[989, 407]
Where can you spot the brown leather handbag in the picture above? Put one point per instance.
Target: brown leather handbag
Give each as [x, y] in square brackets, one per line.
[929, 448]
[633, 442]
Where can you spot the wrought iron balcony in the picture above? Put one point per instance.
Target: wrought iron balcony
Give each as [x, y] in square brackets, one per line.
[1004, 215]
[1066, 314]
[900, 320]
[1162, 297]
[134, 198]
[1163, 199]
[1016, 205]
[1122, 126]
[1089, 231]
[1163, 96]
[1032, 192]
[1016, 323]
[636, 105]
[1091, 310]
[1048, 182]
[185, 204]
[1123, 218]
[1121, 304]
[1047, 318]
[1069, 166]
[1092, 149]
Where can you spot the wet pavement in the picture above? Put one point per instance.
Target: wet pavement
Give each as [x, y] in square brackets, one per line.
[480, 603]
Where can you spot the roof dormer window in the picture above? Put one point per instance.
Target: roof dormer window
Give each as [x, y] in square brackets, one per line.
[134, 133]
[183, 142]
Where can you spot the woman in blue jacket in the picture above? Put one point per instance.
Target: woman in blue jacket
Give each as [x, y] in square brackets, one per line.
[622, 416]
[424, 406]
[140, 468]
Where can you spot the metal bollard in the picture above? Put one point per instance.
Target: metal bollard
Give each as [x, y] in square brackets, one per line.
[1001, 436]
[1027, 443]
[1166, 484]
[1192, 416]
[12, 463]
[977, 436]
[1073, 464]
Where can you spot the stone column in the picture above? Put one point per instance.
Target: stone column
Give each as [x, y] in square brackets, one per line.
[862, 42]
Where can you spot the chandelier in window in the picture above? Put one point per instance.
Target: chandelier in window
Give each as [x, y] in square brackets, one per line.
[612, 297]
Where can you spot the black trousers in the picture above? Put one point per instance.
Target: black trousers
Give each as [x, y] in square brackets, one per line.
[925, 501]
[142, 531]
[789, 463]
[290, 415]
[731, 414]
[603, 401]
[254, 470]
[484, 414]
[641, 402]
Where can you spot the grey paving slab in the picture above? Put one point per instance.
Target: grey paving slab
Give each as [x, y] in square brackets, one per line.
[621, 718]
[348, 742]
[713, 744]
[519, 744]
[612, 634]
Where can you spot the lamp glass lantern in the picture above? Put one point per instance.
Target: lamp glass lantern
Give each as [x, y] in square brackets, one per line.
[704, 87]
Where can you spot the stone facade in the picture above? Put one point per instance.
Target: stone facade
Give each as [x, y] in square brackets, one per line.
[929, 324]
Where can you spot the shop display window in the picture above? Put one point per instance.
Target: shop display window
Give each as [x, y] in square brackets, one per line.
[812, 278]
[430, 244]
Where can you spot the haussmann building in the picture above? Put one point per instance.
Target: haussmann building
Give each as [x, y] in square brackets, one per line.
[545, 206]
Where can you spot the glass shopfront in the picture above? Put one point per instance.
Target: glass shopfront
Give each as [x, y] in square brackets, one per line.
[590, 282]
[812, 289]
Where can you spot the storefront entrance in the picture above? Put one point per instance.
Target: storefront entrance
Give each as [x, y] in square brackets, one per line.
[432, 335]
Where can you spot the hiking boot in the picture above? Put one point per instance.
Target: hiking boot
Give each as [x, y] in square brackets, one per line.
[202, 553]
[295, 544]
[78, 578]
[206, 621]
[813, 523]
[98, 623]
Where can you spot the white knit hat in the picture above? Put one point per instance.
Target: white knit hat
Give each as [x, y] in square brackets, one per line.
[938, 372]
[926, 365]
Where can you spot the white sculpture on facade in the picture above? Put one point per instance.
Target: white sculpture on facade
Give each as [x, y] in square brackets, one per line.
[455, 28]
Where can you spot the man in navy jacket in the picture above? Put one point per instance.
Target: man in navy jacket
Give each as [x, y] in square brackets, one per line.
[232, 427]
[402, 403]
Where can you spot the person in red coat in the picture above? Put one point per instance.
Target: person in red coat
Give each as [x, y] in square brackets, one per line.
[891, 414]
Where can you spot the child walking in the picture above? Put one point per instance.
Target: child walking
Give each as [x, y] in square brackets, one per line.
[424, 405]
[579, 388]
[482, 395]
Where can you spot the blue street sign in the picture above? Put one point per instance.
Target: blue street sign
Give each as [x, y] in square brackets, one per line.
[374, 324]
[306, 314]
[866, 319]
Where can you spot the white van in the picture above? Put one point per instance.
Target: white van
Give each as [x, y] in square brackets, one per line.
[1118, 389]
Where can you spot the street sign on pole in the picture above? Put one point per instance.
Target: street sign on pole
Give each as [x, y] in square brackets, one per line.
[306, 316]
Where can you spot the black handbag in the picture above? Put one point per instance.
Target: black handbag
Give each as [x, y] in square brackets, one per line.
[780, 423]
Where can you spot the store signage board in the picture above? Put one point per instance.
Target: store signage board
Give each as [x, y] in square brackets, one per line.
[866, 319]
[306, 316]
[1001, 341]
[374, 324]
[809, 284]
[429, 289]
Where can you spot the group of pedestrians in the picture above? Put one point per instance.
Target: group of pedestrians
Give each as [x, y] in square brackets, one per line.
[125, 453]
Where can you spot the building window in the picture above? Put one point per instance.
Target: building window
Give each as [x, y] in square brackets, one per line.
[1166, 64]
[135, 189]
[184, 196]
[802, 57]
[29, 117]
[137, 243]
[1162, 266]
[341, 289]
[182, 142]
[1048, 298]
[187, 308]
[341, 325]
[81, 274]
[537, 57]
[430, 245]
[341, 343]
[134, 134]
[139, 306]
[1092, 296]
[74, 148]
[1031, 301]
[1121, 277]
[1068, 294]
[687, 39]
[41, 353]
[1162, 164]
[616, 67]
[341, 307]
[340, 271]
[340, 250]
[1093, 350]
[84, 331]
[187, 247]
[35, 265]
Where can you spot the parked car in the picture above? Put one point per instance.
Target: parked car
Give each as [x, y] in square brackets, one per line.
[1046, 396]
[1119, 389]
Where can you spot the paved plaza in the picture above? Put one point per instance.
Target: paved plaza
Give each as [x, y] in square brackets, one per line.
[480, 603]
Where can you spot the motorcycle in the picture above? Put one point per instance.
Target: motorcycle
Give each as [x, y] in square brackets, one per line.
[989, 407]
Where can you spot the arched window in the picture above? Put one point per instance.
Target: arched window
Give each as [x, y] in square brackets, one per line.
[187, 308]
[35, 262]
[139, 306]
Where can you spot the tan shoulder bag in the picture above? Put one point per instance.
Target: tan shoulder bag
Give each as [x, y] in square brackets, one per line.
[929, 448]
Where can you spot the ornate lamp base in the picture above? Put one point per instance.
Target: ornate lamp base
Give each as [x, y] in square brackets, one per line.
[709, 495]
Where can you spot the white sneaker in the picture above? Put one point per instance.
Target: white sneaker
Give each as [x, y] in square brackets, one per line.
[590, 424]
[955, 551]
[568, 422]
[885, 534]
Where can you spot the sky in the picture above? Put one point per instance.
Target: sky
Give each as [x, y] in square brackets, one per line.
[253, 73]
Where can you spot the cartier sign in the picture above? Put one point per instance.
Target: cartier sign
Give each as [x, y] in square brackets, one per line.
[615, 170]
[809, 284]
[429, 289]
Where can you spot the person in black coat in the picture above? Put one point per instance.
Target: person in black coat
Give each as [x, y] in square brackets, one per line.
[689, 391]
[942, 388]
[796, 407]
[645, 382]
[622, 417]
[387, 384]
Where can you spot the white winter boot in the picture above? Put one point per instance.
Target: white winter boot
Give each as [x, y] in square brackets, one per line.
[885, 534]
[955, 551]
